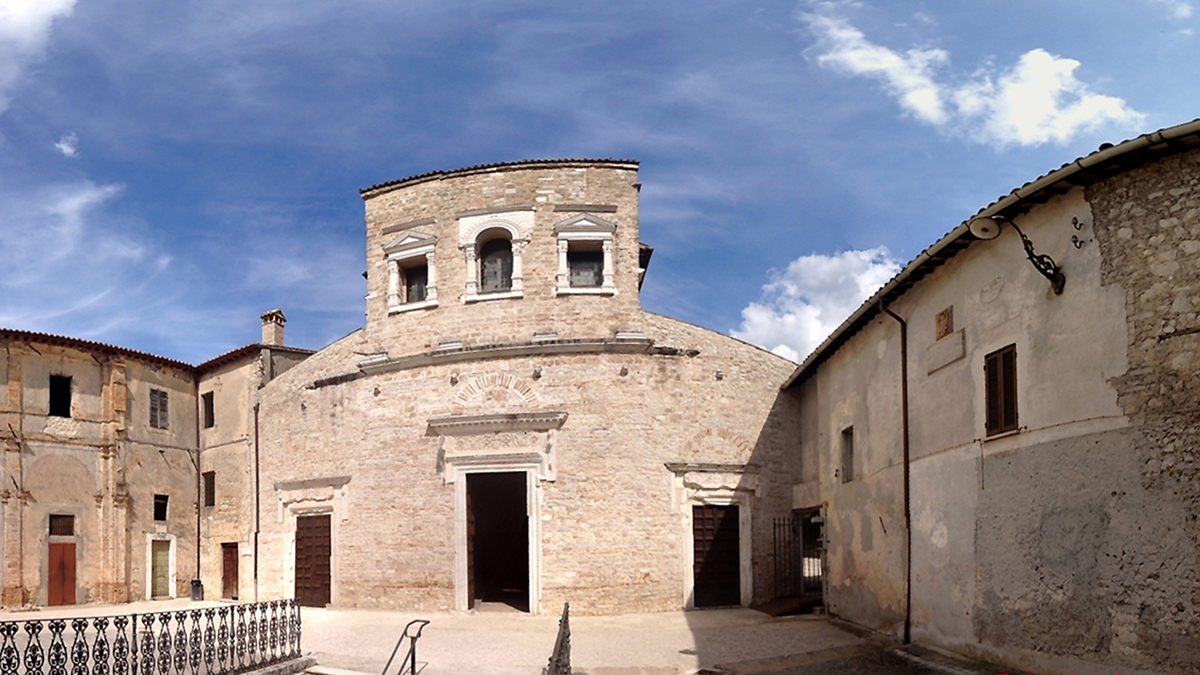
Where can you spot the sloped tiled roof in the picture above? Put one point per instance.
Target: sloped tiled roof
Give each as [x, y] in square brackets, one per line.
[1107, 160]
[483, 168]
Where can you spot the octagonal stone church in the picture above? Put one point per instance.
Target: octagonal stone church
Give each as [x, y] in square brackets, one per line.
[510, 425]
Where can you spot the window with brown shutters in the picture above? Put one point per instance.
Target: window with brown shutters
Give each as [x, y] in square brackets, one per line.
[158, 409]
[1000, 374]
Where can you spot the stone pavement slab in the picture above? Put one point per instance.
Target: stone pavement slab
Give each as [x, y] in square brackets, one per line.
[517, 644]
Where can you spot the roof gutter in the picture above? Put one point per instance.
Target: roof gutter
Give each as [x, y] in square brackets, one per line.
[1097, 158]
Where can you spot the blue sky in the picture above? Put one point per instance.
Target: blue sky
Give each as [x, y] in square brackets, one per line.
[169, 170]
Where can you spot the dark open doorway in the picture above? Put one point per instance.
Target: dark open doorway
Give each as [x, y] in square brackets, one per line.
[497, 540]
[716, 556]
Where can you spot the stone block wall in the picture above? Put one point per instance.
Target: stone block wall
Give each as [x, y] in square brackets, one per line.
[556, 193]
[611, 535]
[1147, 222]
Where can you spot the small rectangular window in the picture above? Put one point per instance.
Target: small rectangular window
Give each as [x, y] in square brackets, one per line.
[206, 405]
[416, 283]
[210, 488]
[1000, 375]
[586, 266]
[62, 526]
[158, 409]
[60, 396]
[160, 507]
[847, 454]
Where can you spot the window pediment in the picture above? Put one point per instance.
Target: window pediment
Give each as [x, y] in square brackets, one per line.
[584, 224]
[409, 242]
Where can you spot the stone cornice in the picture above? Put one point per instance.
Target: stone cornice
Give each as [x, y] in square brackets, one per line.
[469, 425]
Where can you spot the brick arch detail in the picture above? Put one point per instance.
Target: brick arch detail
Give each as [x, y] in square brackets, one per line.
[494, 390]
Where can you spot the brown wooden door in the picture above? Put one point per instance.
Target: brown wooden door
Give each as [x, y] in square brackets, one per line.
[716, 550]
[229, 570]
[313, 550]
[62, 574]
[160, 569]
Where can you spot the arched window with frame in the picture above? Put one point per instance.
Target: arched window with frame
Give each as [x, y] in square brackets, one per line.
[495, 262]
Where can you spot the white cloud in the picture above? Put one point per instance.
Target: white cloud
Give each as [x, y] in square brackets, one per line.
[803, 304]
[68, 145]
[24, 31]
[1037, 100]
[908, 76]
[1177, 8]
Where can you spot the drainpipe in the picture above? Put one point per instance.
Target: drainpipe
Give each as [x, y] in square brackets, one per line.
[257, 510]
[907, 499]
[198, 583]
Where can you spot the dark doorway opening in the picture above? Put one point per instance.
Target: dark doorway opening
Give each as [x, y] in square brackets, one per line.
[497, 540]
[716, 570]
[313, 549]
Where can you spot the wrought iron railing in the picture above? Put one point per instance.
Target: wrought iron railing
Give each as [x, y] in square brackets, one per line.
[797, 557]
[211, 641]
[410, 658]
[560, 659]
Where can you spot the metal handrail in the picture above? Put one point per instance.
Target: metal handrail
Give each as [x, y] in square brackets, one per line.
[410, 658]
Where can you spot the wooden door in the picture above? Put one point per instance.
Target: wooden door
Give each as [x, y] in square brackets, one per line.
[160, 569]
[62, 574]
[229, 570]
[716, 556]
[313, 549]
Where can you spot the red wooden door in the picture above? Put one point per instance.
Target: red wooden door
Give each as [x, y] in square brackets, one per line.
[62, 574]
[313, 549]
[229, 570]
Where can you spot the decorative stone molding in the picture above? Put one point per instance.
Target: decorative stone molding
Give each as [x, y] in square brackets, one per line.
[499, 442]
[494, 389]
[585, 227]
[410, 247]
[313, 495]
[696, 484]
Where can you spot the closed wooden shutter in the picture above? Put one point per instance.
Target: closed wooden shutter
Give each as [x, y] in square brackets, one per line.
[158, 409]
[1000, 375]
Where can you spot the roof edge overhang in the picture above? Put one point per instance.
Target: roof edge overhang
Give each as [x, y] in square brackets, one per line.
[1080, 172]
[381, 188]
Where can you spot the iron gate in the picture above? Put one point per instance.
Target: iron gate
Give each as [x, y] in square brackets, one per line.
[798, 571]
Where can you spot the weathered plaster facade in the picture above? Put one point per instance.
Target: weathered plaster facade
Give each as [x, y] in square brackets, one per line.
[102, 466]
[1071, 543]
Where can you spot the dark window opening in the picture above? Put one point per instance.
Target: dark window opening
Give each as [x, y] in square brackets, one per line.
[206, 405]
[160, 507]
[210, 488]
[847, 454]
[1000, 374]
[62, 526]
[495, 266]
[586, 266]
[416, 283]
[60, 396]
[158, 409]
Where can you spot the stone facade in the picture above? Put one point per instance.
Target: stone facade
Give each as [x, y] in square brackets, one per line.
[1069, 543]
[619, 421]
[96, 467]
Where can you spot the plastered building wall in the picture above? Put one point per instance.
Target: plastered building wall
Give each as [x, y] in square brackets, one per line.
[103, 465]
[1070, 543]
[375, 445]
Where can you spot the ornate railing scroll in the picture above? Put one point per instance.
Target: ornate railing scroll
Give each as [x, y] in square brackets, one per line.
[226, 640]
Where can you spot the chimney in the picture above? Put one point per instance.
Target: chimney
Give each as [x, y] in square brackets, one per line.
[272, 324]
